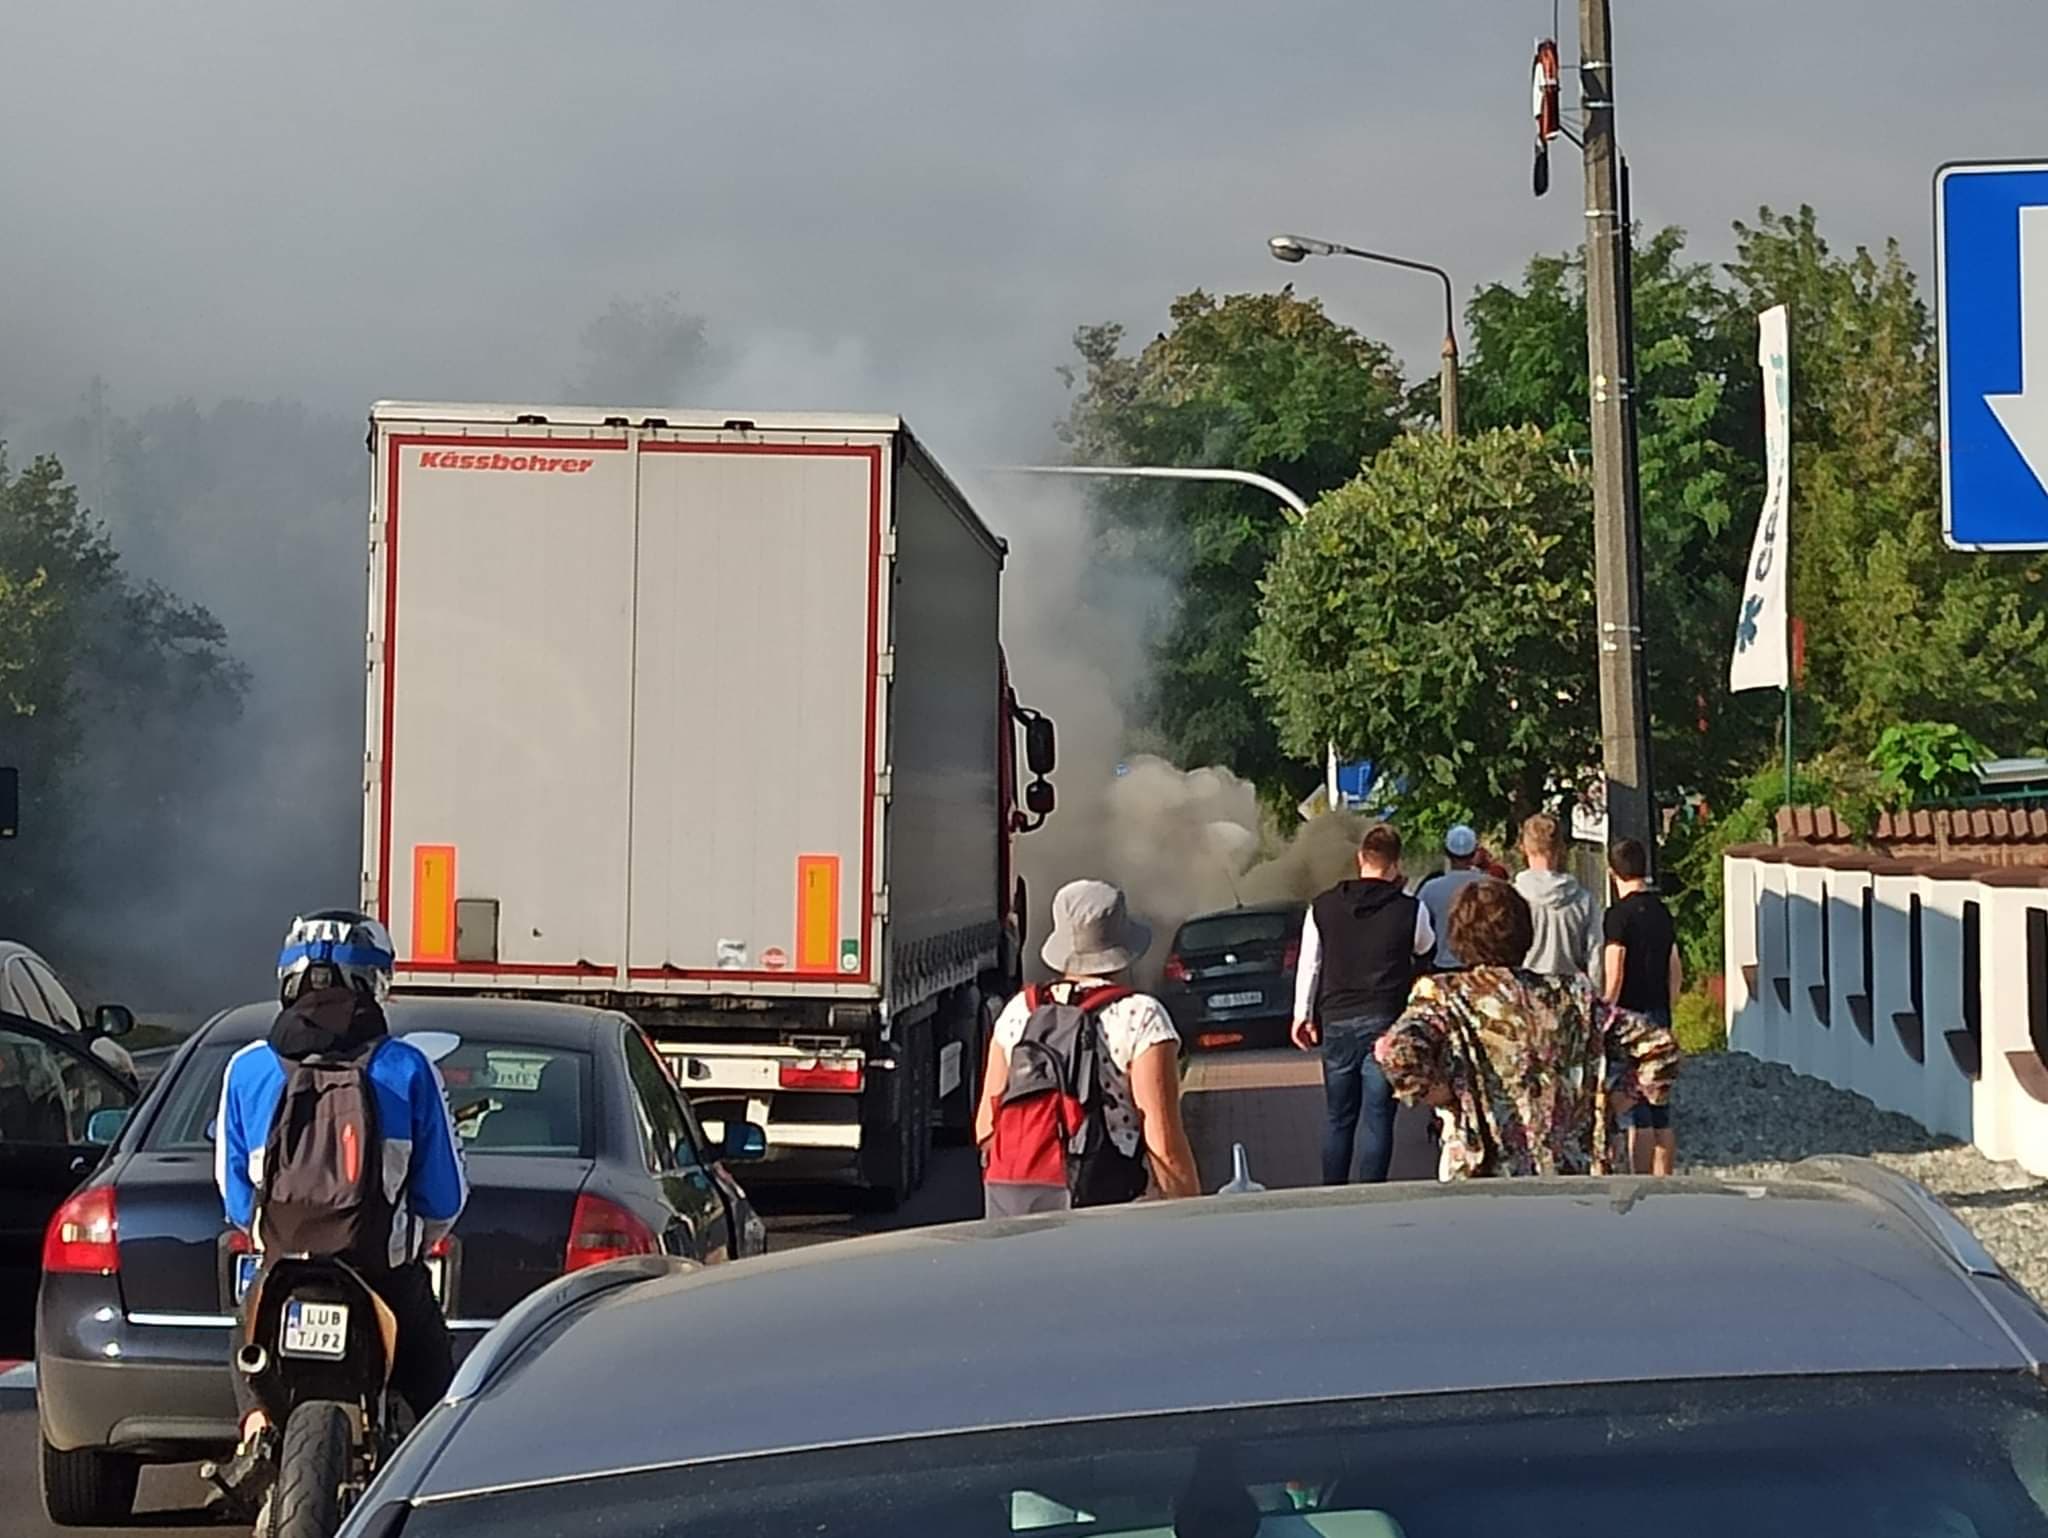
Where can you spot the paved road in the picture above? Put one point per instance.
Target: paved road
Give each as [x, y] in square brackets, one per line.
[1272, 1102]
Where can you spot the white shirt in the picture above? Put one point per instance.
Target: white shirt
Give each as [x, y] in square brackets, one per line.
[1129, 1027]
[1308, 972]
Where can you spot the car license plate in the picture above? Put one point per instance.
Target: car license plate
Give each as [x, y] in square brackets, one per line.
[1234, 1000]
[246, 1266]
[315, 1329]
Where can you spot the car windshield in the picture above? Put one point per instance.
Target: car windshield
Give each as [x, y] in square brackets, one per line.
[1930, 1457]
[1226, 930]
[507, 1098]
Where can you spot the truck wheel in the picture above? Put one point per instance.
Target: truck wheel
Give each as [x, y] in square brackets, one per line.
[88, 1488]
[312, 1472]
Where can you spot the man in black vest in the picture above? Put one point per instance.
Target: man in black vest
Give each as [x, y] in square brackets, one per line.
[1362, 946]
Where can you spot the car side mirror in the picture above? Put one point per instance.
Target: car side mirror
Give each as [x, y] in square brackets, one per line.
[103, 1127]
[1041, 745]
[1039, 798]
[745, 1143]
[113, 1020]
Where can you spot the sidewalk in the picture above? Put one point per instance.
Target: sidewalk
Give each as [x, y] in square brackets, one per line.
[1272, 1102]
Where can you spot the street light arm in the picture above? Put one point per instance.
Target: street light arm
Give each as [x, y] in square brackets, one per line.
[1285, 494]
[1450, 294]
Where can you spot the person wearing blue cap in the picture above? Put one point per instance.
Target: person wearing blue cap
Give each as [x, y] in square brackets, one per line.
[1439, 890]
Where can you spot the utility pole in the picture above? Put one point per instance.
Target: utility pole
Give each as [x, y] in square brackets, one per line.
[1450, 384]
[1617, 536]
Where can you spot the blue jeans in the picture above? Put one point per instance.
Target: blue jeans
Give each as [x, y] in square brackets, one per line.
[1359, 1131]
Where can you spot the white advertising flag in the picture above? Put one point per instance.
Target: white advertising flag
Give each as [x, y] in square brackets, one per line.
[1762, 657]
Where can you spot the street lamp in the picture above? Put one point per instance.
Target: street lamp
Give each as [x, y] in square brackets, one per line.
[1298, 248]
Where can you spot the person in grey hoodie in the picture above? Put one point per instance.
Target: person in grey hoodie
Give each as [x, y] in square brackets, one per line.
[1567, 942]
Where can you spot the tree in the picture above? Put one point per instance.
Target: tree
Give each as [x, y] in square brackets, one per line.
[110, 685]
[1700, 452]
[1899, 627]
[1437, 613]
[1261, 382]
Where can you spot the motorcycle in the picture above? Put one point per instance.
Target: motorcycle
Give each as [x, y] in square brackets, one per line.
[317, 1354]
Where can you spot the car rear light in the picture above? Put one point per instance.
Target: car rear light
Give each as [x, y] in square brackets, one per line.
[602, 1230]
[439, 1249]
[1220, 1039]
[1291, 958]
[1176, 970]
[837, 1075]
[84, 1235]
[238, 1242]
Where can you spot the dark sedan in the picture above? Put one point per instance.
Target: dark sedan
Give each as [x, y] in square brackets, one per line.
[579, 1150]
[60, 1105]
[1832, 1354]
[1230, 976]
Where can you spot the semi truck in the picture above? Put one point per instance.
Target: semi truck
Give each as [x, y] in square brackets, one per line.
[705, 717]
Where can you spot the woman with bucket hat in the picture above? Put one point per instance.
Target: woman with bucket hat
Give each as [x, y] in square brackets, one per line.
[1080, 1104]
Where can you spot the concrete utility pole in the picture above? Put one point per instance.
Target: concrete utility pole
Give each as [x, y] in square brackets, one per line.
[1617, 534]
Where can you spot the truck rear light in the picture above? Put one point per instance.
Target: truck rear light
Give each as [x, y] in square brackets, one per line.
[83, 1236]
[1176, 970]
[602, 1230]
[835, 1075]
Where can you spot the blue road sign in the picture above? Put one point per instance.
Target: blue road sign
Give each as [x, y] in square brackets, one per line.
[1991, 293]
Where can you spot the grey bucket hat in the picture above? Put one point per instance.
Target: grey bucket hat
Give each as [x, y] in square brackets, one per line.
[1093, 933]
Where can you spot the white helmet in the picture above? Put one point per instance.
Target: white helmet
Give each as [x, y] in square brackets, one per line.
[333, 946]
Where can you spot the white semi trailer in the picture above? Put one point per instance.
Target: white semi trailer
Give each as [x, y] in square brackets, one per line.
[705, 718]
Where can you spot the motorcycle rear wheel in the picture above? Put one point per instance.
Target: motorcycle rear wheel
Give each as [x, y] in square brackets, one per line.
[313, 1471]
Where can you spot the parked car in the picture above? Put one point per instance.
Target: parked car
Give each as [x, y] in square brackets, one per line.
[1829, 1354]
[579, 1147]
[1230, 976]
[59, 1108]
[29, 986]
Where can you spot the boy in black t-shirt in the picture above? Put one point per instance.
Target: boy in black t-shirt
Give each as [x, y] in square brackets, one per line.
[1642, 973]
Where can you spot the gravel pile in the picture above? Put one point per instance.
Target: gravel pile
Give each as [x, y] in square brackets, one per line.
[1742, 1118]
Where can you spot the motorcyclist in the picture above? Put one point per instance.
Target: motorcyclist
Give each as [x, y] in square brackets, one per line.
[333, 974]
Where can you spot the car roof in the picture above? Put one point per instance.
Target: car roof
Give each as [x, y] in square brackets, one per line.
[1229, 1301]
[515, 1022]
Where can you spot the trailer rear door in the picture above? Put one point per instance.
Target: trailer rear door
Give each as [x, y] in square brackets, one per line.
[501, 621]
[757, 708]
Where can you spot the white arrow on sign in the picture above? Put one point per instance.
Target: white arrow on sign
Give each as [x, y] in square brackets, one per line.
[2025, 416]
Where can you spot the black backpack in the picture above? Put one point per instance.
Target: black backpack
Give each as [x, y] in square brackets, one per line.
[323, 1189]
[1051, 1148]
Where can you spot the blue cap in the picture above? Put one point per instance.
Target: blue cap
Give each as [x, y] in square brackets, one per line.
[1461, 842]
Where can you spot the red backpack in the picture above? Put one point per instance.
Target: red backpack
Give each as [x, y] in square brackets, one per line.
[1051, 1149]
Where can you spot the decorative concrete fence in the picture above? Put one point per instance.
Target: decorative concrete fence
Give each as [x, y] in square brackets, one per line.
[1921, 986]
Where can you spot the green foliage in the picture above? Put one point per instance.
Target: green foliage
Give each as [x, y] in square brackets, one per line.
[1899, 627]
[1261, 382]
[1700, 453]
[1437, 613]
[1698, 1023]
[1920, 761]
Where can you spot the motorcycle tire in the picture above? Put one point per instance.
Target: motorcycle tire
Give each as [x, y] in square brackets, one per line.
[313, 1470]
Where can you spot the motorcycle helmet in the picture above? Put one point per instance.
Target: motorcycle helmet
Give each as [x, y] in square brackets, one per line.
[333, 947]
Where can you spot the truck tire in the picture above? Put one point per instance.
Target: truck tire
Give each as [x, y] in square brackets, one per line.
[312, 1472]
[885, 1132]
[88, 1488]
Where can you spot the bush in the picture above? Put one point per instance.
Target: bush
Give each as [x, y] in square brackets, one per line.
[1919, 761]
[1697, 1022]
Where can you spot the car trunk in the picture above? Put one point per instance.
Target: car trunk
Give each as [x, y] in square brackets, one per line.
[514, 1232]
[512, 1236]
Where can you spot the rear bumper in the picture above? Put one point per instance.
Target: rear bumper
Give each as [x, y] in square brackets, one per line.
[155, 1385]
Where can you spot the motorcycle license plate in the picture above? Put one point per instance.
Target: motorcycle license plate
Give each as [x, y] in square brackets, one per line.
[1234, 1000]
[315, 1329]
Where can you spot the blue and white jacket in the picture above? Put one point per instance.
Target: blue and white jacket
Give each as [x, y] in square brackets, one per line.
[423, 1169]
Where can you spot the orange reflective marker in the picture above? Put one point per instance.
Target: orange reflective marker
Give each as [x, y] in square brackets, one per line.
[433, 902]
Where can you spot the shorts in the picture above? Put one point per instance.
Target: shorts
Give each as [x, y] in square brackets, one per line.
[1642, 1115]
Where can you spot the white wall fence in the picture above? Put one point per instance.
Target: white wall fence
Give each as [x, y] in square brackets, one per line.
[1922, 987]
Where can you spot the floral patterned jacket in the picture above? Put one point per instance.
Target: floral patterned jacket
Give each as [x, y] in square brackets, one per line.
[1521, 1066]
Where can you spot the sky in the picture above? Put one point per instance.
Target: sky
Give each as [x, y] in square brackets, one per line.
[907, 202]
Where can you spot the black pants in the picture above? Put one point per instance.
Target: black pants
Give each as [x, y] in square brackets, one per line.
[425, 1362]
